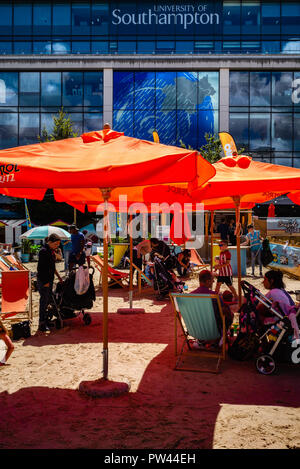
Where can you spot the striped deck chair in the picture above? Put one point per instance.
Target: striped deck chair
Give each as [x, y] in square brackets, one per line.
[142, 275]
[196, 316]
[197, 263]
[115, 276]
[16, 295]
[14, 262]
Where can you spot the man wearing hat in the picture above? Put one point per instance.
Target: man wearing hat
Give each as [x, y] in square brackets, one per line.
[77, 255]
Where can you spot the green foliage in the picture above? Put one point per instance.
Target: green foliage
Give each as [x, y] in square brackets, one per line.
[34, 248]
[212, 151]
[63, 128]
[26, 246]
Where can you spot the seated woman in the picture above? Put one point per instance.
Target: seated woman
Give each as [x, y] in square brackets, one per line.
[183, 262]
[282, 301]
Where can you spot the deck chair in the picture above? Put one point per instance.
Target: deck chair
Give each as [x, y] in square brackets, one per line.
[115, 276]
[14, 262]
[197, 263]
[196, 316]
[16, 295]
[142, 275]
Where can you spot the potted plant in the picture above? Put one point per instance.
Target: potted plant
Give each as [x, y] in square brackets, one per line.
[26, 250]
[34, 251]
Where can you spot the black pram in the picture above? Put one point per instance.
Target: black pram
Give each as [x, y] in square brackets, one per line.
[164, 278]
[65, 301]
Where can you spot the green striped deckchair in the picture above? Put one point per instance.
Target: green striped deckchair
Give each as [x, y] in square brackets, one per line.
[196, 316]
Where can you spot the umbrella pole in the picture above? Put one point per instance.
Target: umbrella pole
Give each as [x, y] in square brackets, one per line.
[106, 196]
[211, 240]
[74, 216]
[237, 202]
[131, 260]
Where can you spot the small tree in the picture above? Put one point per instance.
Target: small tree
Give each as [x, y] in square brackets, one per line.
[212, 151]
[63, 128]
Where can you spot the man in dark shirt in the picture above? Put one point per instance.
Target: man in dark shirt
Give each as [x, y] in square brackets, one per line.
[223, 229]
[77, 255]
[45, 277]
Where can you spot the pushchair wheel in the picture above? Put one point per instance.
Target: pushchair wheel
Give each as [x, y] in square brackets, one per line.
[87, 319]
[59, 324]
[265, 364]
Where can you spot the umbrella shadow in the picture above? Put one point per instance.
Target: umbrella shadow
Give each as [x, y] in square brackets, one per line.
[166, 410]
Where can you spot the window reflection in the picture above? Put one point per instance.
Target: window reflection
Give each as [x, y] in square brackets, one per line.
[239, 87]
[282, 88]
[62, 18]
[8, 130]
[8, 89]
[29, 89]
[260, 88]
[5, 19]
[22, 19]
[93, 89]
[72, 88]
[282, 132]
[259, 131]
[29, 126]
[51, 89]
[81, 19]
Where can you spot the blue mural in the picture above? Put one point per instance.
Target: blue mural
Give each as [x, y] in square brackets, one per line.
[180, 106]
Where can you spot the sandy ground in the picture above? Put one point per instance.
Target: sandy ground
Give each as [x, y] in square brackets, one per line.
[165, 409]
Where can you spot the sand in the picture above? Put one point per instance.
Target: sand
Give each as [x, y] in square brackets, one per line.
[41, 407]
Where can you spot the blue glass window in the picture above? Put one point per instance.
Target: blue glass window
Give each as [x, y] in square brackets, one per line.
[81, 47]
[123, 121]
[282, 132]
[77, 122]
[208, 90]
[81, 19]
[184, 47]
[61, 47]
[239, 87]
[100, 19]
[187, 128]
[165, 90]
[146, 47]
[207, 124]
[290, 20]
[92, 121]
[250, 17]
[270, 47]
[260, 88]
[29, 128]
[187, 84]
[29, 89]
[5, 19]
[144, 124]
[42, 18]
[282, 88]
[5, 47]
[290, 47]
[72, 89]
[297, 132]
[126, 47]
[99, 47]
[231, 18]
[166, 126]
[51, 89]
[93, 89]
[239, 128]
[123, 90]
[8, 88]
[144, 96]
[270, 18]
[62, 18]
[47, 121]
[42, 47]
[8, 129]
[259, 131]
[23, 47]
[23, 19]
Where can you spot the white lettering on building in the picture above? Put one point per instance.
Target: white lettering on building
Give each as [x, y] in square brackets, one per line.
[184, 15]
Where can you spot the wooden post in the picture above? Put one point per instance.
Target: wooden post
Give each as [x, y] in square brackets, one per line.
[211, 239]
[131, 260]
[237, 202]
[75, 216]
[105, 195]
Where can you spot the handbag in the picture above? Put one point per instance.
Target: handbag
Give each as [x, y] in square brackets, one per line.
[21, 330]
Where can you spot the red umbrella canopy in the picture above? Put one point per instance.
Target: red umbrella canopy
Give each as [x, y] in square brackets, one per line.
[265, 180]
[94, 161]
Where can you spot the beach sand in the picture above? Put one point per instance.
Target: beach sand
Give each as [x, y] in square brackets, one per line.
[41, 407]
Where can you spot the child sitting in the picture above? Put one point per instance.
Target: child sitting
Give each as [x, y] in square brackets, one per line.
[225, 270]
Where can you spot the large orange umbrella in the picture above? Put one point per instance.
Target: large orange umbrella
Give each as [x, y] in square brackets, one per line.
[103, 159]
[257, 183]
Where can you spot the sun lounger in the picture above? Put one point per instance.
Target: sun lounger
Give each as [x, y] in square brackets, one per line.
[16, 295]
[197, 263]
[196, 316]
[141, 275]
[115, 276]
[14, 262]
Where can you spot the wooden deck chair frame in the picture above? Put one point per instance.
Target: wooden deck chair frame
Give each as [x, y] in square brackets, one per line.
[113, 279]
[23, 315]
[141, 275]
[178, 318]
[196, 269]
[14, 262]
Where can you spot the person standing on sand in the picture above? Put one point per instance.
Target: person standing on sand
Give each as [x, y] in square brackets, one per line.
[45, 277]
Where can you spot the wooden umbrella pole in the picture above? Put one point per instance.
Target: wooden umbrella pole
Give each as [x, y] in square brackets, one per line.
[211, 240]
[131, 260]
[237, 202]
[106, 196]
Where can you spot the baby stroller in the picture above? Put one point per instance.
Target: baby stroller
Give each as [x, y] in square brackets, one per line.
[65, 302]
[164, 278]
[278, 341]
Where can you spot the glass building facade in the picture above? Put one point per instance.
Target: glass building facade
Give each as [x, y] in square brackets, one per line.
[91, 27]
[182, 69]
